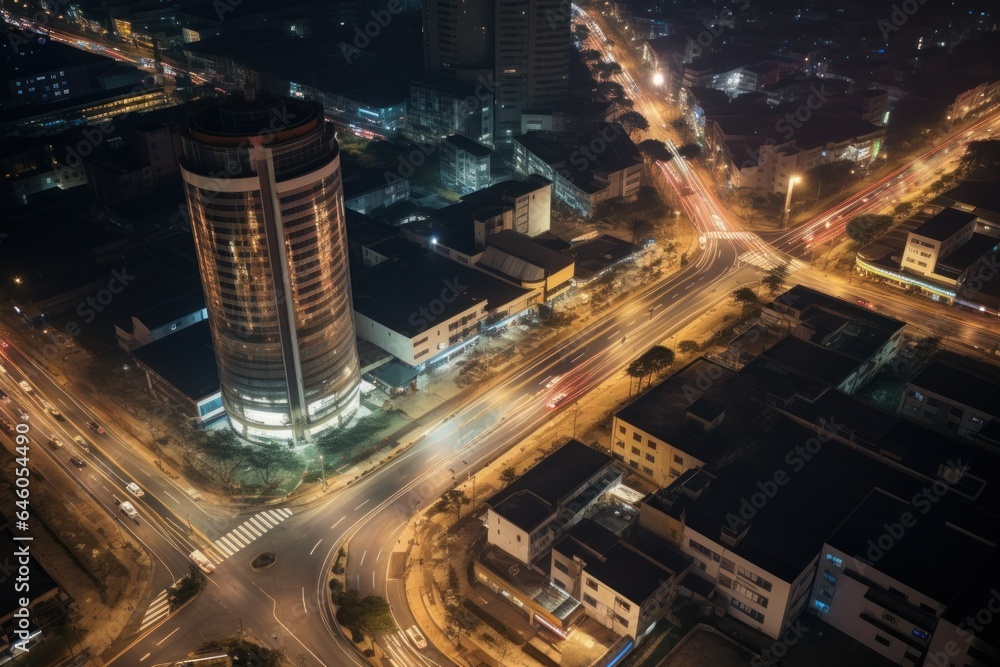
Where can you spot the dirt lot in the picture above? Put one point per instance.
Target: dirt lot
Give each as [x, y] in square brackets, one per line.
[704, 648]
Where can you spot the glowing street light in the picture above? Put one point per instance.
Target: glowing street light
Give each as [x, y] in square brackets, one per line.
[658, 79]
[788, 200]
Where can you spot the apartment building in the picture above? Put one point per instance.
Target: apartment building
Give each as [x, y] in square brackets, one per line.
[465, 165]
[954, 397]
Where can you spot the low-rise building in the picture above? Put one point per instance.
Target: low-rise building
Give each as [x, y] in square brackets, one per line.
[525, 519]
[439, 312]
[590, 170]
[947, 248]
[369, 192]
[465, 165]
[949, 396]
[162, 319]
[521, 261]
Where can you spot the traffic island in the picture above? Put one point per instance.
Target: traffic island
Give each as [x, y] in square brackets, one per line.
[263, 561]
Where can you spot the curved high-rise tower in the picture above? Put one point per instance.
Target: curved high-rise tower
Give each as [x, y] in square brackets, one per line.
[263, 183]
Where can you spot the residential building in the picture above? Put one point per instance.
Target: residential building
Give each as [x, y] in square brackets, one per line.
[465, 165]
[532, 40]
[947, 247]
[955, 397]
[439, 109]
[366, 192]
[600, 167]
[526, 518]
[272, 250]
[619, 585]
[437, 315]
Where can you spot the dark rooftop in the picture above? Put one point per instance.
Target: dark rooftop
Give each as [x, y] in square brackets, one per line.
[598, 254]
[952, 555]
[960, 386]
[377, 293]
[944, 224]
[185, 359]
[981, 194]
[550, 482]
[814, 361]
[511, 248]
[468, 145]
[966, 255]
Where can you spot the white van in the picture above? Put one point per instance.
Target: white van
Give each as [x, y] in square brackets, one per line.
[201, 560]
[416, 637]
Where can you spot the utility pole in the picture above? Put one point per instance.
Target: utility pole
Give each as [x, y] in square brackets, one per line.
[322, 467]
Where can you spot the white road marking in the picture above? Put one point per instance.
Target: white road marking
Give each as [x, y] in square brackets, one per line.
[144, 657]
[361, 505]
[167, 637]
[171, 497]
[338, 521]
[379, 555]
[304, 607]
[314, 548]
[363, 558]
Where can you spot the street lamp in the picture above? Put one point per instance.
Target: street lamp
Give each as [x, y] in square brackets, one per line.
[658, 79]
[788, 200]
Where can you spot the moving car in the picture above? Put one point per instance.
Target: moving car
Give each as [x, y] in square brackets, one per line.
[22, 414]
[4, 398]
[556, 400]
[203, 563]
[416, 637]
[55, 443]
[134, 489]
[553, 382]
[94, 426]
[25, 387]
[129, 511]
[55, 413]
[82, 443]
[7, 425]
[78, 462]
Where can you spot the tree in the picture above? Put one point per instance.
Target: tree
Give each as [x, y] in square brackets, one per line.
[375, 618]
[912, 123]
[224, 455]
[607, 70]
[462, 619]
[581, 31]
[903, 208]
[623, 104]
[688, 347]
[610, 90]
[451, 502]
[830, 178]
[640, 228]
[866, 228]
[657, 359]
[636, 369]
[748, 299]
[633, 120]
[655, 150]
[774, 279]
[590, 55]
[689, 151]
[268, 461]
[508, 475]
[981, 161]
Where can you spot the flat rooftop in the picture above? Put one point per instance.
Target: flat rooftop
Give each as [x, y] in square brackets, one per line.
[785, 535]
[377, 294]
[521, 247]
[959, 385]
[952, 555]
[945, 224]
[185, 359]
[983, 195]
[468, 145]
[550, 482]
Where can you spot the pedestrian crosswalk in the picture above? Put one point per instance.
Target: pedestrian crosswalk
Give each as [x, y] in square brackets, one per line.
[241, 536]
[159, 609]
[732, 236]
[768, 262]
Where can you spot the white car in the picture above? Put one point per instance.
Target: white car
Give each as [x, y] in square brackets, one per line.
[556, 400]
[416, 637]
[203, 563]
[134, 489]
[129, 510]
[25, 387]
[553, 382]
